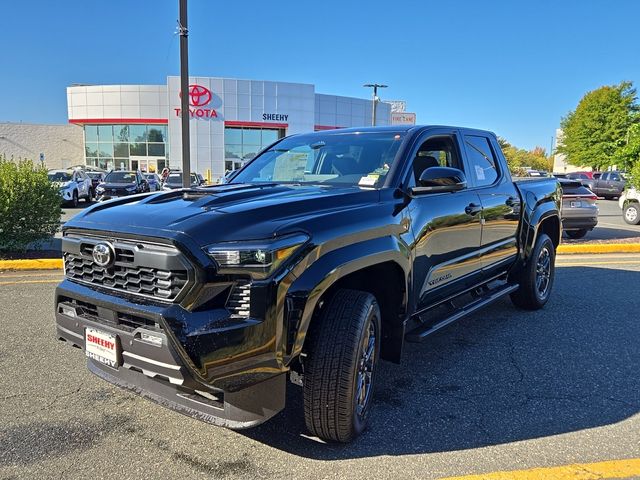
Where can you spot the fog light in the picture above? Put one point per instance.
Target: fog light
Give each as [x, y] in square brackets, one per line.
[151, 339]
[68, 311]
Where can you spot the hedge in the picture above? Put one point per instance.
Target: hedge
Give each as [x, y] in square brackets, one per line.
[30, 205]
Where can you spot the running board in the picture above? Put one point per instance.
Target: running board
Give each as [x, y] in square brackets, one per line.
[423, 331]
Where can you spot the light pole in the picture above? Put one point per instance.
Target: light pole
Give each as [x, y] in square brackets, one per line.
[375, 87]
[184, 97]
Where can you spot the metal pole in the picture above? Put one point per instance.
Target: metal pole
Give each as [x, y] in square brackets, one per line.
[375, 95]
[184, 97]
[375, 87]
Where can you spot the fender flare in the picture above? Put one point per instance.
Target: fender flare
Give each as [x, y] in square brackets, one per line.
[314, 281]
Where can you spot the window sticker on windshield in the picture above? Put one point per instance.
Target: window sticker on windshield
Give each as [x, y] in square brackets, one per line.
[480, 172]
[369, 181]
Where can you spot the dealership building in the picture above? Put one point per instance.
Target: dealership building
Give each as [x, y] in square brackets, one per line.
[139, 126]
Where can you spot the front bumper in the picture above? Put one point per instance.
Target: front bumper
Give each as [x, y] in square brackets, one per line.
[160, 371]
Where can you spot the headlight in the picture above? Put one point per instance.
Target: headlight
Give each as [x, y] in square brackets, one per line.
[257, 256]
[99, 189]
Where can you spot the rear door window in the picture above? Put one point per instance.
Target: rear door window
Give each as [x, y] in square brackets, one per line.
[482, 162]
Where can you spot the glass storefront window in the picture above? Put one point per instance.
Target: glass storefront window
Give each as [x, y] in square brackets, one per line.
[252, 136]
[110, 146]
[105, 149]
[138, 149]
[156, 149]
[155, 134]
[242, 144]
[121, 133]
[91, 133]
[105, 133]
[121, 149]
[137, 133]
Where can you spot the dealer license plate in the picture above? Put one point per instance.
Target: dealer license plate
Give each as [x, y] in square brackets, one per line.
[101, 346]
[577, 204]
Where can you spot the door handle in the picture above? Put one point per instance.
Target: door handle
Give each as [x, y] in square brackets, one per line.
[473, 209]
[512, 202]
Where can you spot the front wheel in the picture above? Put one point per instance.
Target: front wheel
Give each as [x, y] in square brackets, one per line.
[536, 277]
[74, 199]
[339, 371]
[632, 213]
[575, 234]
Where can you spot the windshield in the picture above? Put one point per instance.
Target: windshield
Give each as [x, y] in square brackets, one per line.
[59, 177]
[120, 177]
[362, 158]
[176, 179]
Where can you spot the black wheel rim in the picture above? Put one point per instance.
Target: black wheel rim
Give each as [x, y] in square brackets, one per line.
[366, 364]
[543, 271]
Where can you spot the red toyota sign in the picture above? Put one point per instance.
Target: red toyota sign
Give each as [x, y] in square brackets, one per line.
[199, 96]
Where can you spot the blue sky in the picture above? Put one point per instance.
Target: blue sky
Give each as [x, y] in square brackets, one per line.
[512, 67]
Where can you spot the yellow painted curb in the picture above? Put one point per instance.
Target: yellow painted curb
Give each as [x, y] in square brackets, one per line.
[32, 264]
[600, 248]
[578, 471]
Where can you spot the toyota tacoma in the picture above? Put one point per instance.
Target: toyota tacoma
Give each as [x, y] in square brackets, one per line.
[318, 258]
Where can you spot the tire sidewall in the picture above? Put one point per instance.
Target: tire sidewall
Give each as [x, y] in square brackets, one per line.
[543, 241]
[373, 315]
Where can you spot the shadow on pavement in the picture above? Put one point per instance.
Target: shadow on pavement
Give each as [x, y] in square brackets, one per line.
[499, 376]
[605, 233]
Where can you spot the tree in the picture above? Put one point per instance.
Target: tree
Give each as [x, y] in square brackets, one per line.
[628, 156]
[597, 129]
[518, 159]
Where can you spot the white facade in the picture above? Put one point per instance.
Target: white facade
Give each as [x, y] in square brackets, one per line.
[230, 120]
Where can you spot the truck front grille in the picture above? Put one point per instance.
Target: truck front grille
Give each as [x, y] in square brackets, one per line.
[139, 268]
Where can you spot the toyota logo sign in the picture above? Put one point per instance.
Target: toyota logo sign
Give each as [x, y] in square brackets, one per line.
[199, 95]
[103, 254]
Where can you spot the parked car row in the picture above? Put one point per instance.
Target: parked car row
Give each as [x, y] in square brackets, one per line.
[608, 185]
[76, 184]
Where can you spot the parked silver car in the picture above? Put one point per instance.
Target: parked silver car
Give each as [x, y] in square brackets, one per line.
[579, 208]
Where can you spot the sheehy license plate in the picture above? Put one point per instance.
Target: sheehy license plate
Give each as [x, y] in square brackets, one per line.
[101, 346]
[577, 204]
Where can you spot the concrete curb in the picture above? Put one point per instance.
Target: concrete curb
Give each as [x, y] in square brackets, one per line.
[586, 248]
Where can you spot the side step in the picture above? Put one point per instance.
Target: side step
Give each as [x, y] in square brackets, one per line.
[423, 331]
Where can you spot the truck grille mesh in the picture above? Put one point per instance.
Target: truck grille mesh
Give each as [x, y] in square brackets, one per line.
[132, 271]
[239, 302]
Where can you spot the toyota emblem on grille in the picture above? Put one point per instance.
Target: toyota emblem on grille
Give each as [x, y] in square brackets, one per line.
[103, 254]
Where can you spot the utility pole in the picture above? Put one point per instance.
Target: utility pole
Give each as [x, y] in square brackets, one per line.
[184, 95]
[375, 87]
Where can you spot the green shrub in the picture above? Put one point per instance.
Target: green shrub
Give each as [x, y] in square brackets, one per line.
[633, 175]
[29, 205]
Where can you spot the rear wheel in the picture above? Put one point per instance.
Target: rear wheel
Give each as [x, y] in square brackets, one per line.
[74, 199]
[632, 213]
[536, 278]
[339, 371]
[576, 233]
[90, 196]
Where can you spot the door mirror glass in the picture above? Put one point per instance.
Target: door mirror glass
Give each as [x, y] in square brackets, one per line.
[440, 179]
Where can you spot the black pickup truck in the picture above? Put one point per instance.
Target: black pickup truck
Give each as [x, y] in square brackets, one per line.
[321, 256]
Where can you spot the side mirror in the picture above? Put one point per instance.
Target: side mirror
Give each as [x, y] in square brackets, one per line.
[439, 180]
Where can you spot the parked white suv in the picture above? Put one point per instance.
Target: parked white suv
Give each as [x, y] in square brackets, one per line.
[73, 185]
[629, 202]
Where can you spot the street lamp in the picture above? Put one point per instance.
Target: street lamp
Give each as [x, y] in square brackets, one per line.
[375, 87]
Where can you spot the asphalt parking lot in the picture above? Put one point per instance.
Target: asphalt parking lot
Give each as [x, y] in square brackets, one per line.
[501, 390]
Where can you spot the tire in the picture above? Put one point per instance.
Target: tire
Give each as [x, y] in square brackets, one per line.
[536, 277]
[576, 233]
[74, 199]
[89, 197]
[631, 213]
[337, 361]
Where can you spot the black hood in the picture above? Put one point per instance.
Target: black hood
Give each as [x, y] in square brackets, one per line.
[226, 212]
